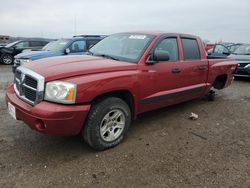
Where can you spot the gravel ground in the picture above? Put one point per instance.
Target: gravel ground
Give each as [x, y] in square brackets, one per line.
[162, 149]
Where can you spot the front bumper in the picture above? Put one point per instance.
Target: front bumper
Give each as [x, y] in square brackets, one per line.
[243, 72]
[49, 118]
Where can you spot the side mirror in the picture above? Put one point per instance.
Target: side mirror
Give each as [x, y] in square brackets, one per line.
[161, 55]
[67, 51]
[158, 55]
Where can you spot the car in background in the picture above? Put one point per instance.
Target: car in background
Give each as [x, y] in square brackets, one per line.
[222, 50]
[209, 47]
[8, 52]
[242, 57]
[78, 45]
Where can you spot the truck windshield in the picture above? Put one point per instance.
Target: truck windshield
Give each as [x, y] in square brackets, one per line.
[125, 46]
[57, 46]
[243, 50]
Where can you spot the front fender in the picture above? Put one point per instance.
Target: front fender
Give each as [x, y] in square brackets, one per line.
[93, 85]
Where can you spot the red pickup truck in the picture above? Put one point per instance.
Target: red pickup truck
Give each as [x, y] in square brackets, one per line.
[122, 76]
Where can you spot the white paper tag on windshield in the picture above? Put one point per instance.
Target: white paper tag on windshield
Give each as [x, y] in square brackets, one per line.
[137, 36]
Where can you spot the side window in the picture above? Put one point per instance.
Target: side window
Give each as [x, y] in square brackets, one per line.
[35, 43]
[170, 46]
[190, 49]
[78, 46]
[91, 43]
[44, 43]
[220, 49]
[21, 45]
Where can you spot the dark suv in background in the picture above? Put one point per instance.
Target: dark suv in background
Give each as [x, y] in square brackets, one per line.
[78, 45]
[8, 52]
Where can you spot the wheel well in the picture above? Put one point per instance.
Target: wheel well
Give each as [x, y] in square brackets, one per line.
[125, 95]
[220, 81]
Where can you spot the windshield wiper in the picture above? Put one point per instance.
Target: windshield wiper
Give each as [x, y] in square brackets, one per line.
[106, 56]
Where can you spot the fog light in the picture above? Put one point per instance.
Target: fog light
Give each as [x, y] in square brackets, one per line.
[40, 125]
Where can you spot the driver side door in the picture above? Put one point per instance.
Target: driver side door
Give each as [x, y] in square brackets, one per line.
[163, 78]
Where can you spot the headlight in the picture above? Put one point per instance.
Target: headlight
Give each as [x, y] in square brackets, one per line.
[60, 92]
[22, 61]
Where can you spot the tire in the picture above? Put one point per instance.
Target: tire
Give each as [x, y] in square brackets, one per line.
[211, 95]
[101, 131]
[7, 59]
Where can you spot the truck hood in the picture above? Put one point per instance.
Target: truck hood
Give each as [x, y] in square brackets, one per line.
[62, 67]
[35, 55]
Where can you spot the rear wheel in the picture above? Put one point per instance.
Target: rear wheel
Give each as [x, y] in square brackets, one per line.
[107, 123]
[7, 59]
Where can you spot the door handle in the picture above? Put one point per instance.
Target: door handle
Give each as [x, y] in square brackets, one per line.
[176, 70]
[203, 67]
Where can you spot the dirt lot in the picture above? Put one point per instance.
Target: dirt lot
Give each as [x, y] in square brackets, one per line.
[163, 148]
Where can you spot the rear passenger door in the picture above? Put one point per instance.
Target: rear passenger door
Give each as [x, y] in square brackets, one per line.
[194, 66]
[181, 78]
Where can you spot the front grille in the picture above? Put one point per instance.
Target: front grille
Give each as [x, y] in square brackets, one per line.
[29, 81]
[29, 85]
[29, 94]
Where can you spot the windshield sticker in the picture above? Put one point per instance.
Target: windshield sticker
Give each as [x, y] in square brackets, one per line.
[137, 36]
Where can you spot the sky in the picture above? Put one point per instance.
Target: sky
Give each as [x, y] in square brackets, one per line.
[214, 20]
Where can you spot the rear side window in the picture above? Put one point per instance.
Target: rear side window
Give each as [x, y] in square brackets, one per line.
[91, 43]
[44, 43]
[190, 49]
[35, 43]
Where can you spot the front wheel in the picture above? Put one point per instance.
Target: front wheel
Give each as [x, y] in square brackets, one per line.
[7, 59]
[107, 123]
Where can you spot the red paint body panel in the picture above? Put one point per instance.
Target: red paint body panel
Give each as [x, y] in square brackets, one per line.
[151, 86]
[58, 119]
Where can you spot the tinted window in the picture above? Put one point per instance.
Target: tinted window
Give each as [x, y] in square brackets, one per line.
[35, 43]
[190, 49]
[44, 43]
[169, 45]
[91, 43]
[78, 46]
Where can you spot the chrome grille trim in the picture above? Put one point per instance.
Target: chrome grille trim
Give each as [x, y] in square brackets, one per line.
[20, 84]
